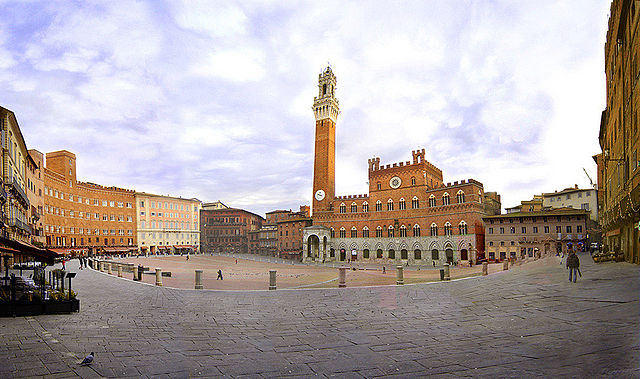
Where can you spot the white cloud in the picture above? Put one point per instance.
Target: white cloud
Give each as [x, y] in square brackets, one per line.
[216, 20]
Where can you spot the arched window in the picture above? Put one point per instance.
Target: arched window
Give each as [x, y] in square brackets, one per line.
[462, 227]
[413, 181]
[378, 186]
[403, 231]
[402, 205]
[379, 253]
[378, 206]
[435, 254]
[333, 233]
[365, 232]
[432, 201]
[445, 199]
[434, 229]
[389, 205]
[416, 230]
[390, 231]
[379, 231]
[354, 207]
[365, 207]
[365, 253]
[343, 232]
[415, 203]
[417, 254]
[447, 229]
[460, 197]
[343, 208]
[354, 232]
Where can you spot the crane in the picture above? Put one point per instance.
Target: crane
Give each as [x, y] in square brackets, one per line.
[590, 181]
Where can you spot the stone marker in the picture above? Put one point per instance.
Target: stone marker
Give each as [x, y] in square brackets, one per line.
[119, 271]
[199, 279]
[159, 277]
[135, 272]
[447, 274]
[109, 269]
[102, 267]
[505, 265]
[342, 277]
[399, 275]
[485, 268]
[272, 279]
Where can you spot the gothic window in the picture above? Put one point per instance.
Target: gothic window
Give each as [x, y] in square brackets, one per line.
[333, 233]
[343, 208]
[378, 186]
[343, 232]
[432, 201]
[434, 230]
[417, 254]
[389, 205]
[416, 230]
[354, 232]
[415, 203]
[462, 227]
[379, 253]
[354, 208]
[365, 207]
[402, 205]
[403, 231]
[435, 255]
[378, 206]
[413, 181]
[390, 231]
[460, 197]
[445, 199]
[379, 231]
[447, 229]
[365, 232]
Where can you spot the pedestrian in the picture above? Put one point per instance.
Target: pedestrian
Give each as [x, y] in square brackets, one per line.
[80, 261]
[384, 270]
[219, 275]
[236, 261]
[470, 262]
[434, 263]
[187, 256]
[64, 267]
[573, 264]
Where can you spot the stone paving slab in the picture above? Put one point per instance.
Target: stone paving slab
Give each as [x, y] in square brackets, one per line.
[528, 321]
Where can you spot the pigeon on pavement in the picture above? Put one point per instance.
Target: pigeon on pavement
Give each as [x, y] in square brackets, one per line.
[88, 359]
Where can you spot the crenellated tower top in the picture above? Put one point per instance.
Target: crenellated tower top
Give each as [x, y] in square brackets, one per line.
[325, 105]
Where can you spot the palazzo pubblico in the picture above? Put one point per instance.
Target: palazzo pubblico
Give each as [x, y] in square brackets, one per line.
[409, 216]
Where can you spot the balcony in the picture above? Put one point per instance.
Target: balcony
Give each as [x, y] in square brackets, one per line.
[22, 196]
[19, 225]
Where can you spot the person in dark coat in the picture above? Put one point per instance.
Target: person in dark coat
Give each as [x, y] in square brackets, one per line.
[219, 275]
[573, 264]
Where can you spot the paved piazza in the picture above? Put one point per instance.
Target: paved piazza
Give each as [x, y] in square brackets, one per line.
[528, 321]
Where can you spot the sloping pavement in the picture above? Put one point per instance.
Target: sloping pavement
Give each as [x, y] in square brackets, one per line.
[528, 321]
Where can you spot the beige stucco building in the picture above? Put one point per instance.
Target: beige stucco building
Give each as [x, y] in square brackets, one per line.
[575, 198]
[167, 224]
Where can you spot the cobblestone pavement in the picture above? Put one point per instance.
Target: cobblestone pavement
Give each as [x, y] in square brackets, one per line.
[528, 321]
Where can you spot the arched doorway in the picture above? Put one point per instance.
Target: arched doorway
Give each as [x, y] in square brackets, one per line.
[417, 254]
[464, 256]
[404, 254]
[449, 254]
[343, 254]
[392, 254]
[313, 245]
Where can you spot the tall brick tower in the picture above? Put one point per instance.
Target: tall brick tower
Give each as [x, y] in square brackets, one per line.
[326, 110]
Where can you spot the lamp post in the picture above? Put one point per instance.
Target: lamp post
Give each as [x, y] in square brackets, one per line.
[70, 275]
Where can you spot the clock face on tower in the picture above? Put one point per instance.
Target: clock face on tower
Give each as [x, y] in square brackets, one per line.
[395, 182]
[319, 195]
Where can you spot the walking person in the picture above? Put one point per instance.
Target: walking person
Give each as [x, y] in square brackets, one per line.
[573, 264]
[219, 275]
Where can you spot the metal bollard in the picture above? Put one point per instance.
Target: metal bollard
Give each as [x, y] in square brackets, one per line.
[342, 277]
[135, 272]
[399, 275]
[119, 271]
[199, 280]
[447, 273]
[505, 265]
[159, 277]
[272, 279]
[485, 268]
[109, 271]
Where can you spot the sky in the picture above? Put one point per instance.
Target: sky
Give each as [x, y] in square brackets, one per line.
[212, 99]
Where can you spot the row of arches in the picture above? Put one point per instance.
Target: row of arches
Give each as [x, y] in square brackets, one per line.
[402, 203]
[402, 231]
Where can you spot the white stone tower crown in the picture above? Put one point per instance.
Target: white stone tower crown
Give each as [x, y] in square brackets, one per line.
[325, 105]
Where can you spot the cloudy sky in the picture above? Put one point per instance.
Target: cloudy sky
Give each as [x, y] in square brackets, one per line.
[212, 99]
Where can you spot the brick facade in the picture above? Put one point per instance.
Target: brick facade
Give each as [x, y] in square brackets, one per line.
[85, 217]
[227, 230]
[394, 221]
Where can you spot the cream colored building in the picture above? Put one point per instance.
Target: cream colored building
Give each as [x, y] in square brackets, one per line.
[167, 225]
[575, 198]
